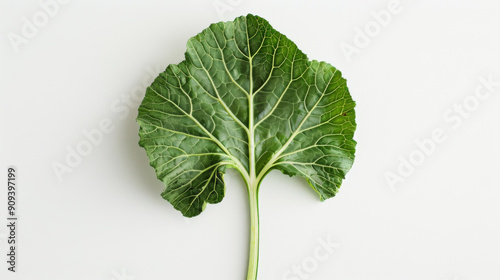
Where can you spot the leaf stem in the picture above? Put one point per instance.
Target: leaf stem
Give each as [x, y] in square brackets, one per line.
[253, 257]
[253, 182]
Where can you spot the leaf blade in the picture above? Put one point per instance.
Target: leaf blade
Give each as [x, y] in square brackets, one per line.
[247, 98]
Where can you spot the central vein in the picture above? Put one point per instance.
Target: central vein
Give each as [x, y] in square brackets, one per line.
[251, 132]
[252, 183]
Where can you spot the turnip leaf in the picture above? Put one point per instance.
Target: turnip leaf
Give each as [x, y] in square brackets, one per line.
[247, 98]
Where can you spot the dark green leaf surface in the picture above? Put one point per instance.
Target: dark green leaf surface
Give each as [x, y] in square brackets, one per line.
[246, 98]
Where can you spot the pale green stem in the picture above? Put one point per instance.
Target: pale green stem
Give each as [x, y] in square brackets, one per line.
[253, 257]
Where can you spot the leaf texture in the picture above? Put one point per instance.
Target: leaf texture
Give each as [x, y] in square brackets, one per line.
[245, 97]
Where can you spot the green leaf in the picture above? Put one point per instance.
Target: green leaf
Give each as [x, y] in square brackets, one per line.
[247, 98]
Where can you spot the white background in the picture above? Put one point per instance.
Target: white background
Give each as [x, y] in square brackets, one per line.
[106, 220]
